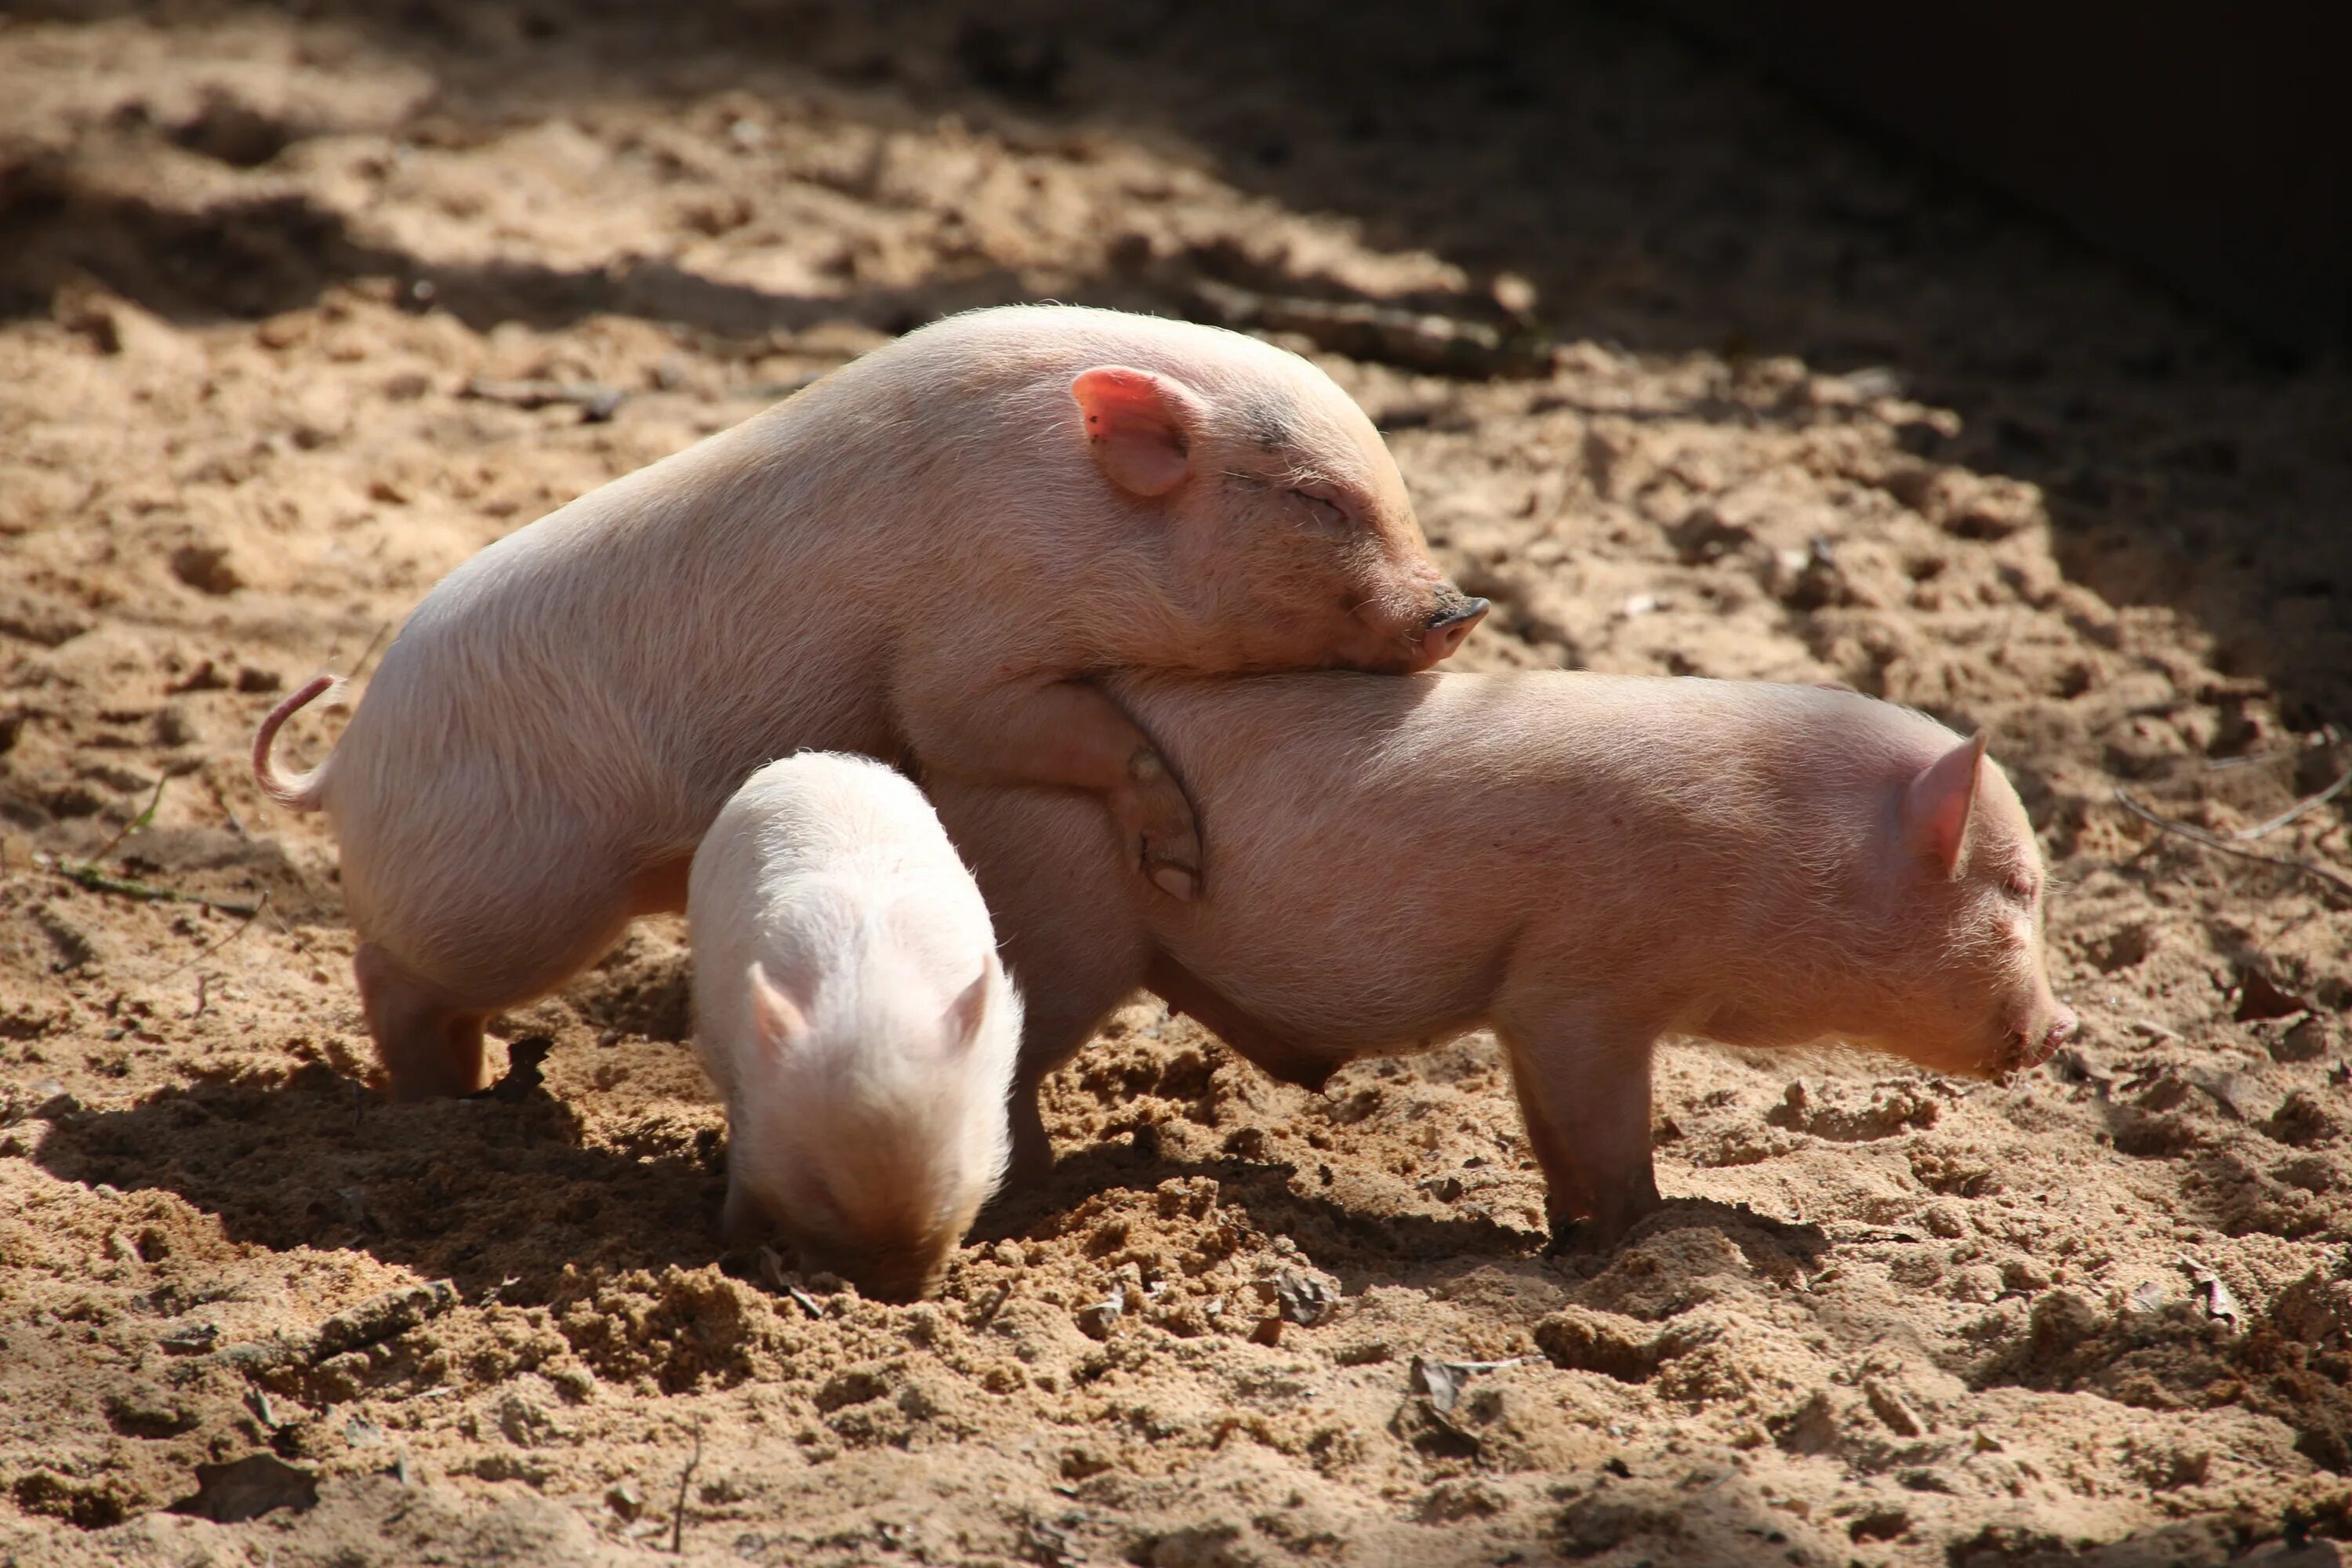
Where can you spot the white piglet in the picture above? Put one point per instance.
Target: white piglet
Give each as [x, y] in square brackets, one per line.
[850, 1007]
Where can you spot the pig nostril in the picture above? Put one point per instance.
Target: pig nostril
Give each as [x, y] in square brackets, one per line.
[1447, 628]
[1463, 615]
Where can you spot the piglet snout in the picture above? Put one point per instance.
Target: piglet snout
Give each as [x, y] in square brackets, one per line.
[2060, 1033]
[2033, 1053]
[1457, 613]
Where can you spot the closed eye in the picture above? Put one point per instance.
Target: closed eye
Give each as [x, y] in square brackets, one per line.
[2021, 888]
[1329, 516]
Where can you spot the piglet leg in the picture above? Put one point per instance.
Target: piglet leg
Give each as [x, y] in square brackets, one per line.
[742, 1221]
[1033, 1149]
[1060, 1013]
[1583, 1083]
[1073, 972]
[1065, 732]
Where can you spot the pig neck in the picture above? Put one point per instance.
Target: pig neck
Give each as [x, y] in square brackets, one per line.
[1835, 953]
[1780, 961]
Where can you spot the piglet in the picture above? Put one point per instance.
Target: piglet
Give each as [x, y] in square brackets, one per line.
[923, 555]
[1586, 863]
[850, 1007]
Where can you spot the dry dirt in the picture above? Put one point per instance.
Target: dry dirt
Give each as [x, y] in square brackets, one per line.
[1814, 413]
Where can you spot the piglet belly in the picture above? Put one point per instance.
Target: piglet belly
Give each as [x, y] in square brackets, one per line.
[1339, 985]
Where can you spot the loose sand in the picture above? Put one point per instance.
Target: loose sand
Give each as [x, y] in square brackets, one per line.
[1815, 415]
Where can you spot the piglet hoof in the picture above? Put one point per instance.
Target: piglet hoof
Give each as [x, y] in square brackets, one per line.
[1586, 1238]
[1176, 882]
[1151, 810]
[1029, 1172]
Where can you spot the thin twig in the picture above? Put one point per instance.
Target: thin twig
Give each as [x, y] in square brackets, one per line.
[88, 875]
[2247, 835]
[2247, 760]
[98, 881]
[2196, 835]
[287, 931]
[215, 947]
[678, 1514]
[130, 827]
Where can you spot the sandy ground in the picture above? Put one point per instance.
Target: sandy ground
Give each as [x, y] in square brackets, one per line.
[283, 302]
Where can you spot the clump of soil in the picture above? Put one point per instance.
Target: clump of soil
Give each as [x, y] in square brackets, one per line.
[297, 313]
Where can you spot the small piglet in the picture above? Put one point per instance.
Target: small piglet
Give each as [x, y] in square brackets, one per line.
[1584, 862]
[928, 553]
[850, 1007]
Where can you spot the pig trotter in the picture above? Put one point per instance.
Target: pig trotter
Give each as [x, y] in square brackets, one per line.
[1157, 820]
[1067, 733]
[1574, 1236]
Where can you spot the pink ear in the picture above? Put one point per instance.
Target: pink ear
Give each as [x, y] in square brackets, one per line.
[964, 1014]
[777, 1017]
[1937, 803]
[1139, 425]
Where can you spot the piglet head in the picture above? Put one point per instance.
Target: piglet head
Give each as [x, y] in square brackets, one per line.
[1973, 996]
[873, 1127]
[1285, 536]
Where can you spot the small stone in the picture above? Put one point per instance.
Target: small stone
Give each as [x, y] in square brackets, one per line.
[2311, 1038]
[1889, 1407]
[1305, 1299]
[1947, 1219]
[205, 568]
[1871, 385]
[193, 1340]
[1444, 1381]
[1096, 1321]
[248, 1488]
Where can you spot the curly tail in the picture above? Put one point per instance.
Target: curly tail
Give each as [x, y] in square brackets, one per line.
[300, 792]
